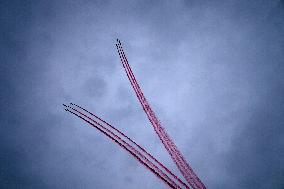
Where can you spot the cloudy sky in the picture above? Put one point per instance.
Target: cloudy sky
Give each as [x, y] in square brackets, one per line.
[213, 72]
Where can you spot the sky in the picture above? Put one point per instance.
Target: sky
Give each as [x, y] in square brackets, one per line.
[212, 71]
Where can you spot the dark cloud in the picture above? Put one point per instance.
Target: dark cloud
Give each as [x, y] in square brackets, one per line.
[213, 71]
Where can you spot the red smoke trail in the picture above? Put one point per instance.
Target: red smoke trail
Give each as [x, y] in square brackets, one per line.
[144, 102]
[134, 144]
[169, 144]
[176, 155]
[145, 106]
[139, 92]
[136, 150]
[132, 153]
[126, 146]
[149, 113]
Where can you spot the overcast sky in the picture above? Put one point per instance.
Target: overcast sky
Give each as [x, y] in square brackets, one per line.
[212, 71]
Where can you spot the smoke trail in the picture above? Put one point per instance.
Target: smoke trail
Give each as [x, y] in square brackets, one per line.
[176, 155]
[134, 144]
[129, 147]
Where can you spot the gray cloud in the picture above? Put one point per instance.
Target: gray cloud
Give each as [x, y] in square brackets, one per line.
[213, 72]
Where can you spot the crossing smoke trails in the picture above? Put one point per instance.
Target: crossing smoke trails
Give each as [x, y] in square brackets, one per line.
[136, 150]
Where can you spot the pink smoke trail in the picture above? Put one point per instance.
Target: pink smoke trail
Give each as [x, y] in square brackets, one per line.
[176, 155]
[128, 147]
[141, 149]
